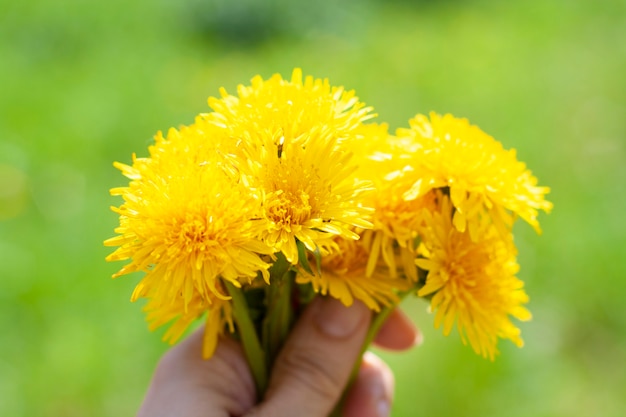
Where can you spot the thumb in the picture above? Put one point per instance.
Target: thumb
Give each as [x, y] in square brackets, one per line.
[313, 368]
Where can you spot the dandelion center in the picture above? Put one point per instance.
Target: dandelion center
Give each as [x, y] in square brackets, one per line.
[193, 233]
[198, 234]
[290, 208]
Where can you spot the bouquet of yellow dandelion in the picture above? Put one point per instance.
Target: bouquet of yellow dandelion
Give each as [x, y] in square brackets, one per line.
[286, 192]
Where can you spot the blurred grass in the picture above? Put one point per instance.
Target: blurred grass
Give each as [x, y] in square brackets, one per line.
[83, 84]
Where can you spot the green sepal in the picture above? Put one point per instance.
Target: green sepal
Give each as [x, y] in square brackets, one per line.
[318, 259]
[303, 258]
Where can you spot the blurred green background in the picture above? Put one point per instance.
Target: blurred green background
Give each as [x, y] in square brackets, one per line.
[83, 84]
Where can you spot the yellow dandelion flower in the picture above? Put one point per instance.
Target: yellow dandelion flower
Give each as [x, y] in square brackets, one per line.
[472, 282]
[186, 222]
[385, 162]
[291, 138]
[308, 195]
[484, 179]
[294, 108]
[343, 277]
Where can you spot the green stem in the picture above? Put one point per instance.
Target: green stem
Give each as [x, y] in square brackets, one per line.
[279, 314]
[249, 339]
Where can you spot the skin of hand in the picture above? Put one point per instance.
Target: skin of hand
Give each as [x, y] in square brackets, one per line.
[308, 378]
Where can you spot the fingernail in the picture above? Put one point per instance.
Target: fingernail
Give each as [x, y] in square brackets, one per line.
[419, 339]
[383, 407]
[381, 400]
[381, 392]
[337, 320]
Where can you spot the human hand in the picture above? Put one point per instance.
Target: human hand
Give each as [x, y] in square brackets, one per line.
[308, 378]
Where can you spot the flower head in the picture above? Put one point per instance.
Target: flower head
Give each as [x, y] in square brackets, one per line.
[472, 282]
[385, 161]
[484, 180]
[186, 222]
[292, 146]
[293, 109]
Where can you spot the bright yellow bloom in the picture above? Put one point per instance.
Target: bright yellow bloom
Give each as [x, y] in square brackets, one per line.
[291, 141]
[295, 109]
[386, 162]
[472, 282]
[186, 221]
[343, 277]
[484, 179]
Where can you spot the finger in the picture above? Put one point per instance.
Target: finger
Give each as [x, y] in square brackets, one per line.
[398, 333]
[371, 394]
[314, 365]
